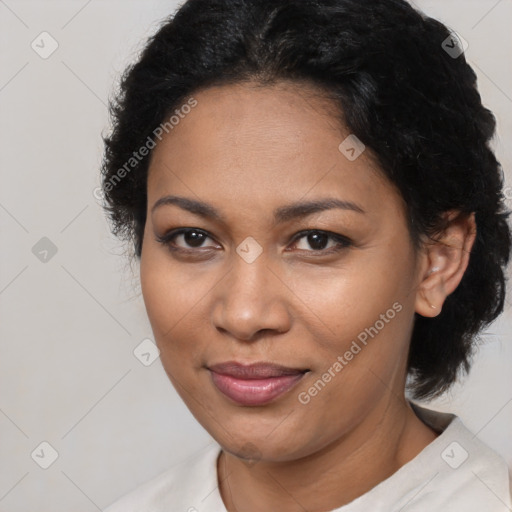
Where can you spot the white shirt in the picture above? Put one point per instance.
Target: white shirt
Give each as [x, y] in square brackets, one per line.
[454, 473]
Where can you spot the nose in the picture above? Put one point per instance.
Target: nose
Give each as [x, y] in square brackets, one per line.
[251, 301]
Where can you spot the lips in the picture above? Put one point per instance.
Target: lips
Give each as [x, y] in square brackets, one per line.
[254, 384]
[254, 370]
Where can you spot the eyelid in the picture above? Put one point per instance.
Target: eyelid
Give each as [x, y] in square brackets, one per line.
[330, 234]
[343, 242]
[171, 234]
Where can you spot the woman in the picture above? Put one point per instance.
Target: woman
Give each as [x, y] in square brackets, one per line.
[319, 220]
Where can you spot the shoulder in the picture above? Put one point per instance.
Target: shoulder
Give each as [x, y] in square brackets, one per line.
[466, 474]
[456, 472]
[182, 487]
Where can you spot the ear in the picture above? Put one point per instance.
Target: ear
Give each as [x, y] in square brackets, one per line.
[444, 260]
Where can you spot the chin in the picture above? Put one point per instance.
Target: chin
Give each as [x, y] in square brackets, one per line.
[257, 445]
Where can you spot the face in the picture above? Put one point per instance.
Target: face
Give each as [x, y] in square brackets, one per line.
[325, 290]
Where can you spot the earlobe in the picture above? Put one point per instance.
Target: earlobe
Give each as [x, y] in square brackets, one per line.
[429, 301]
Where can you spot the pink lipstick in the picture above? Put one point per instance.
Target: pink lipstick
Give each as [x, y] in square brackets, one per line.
[254, 384]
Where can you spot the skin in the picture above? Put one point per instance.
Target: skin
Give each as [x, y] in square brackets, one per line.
[247, 150]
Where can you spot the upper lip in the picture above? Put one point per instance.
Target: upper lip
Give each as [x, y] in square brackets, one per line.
[259, 370]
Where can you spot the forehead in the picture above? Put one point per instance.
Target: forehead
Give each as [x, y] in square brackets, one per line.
[262, 144]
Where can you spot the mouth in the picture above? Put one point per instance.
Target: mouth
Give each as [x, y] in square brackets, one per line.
[254, 384]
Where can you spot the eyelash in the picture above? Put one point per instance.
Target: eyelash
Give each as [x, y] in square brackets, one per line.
[343, 242]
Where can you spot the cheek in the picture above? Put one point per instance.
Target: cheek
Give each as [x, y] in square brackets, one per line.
[175, 296]
[169, 291]
[341, 303]
[368, 332]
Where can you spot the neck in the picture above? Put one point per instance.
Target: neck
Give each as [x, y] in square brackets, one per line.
[389, 437]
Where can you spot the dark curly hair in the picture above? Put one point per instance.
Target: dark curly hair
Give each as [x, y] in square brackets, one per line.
[393, 83]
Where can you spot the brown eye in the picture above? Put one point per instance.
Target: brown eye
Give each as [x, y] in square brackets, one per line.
[192, 238]
[318, 241]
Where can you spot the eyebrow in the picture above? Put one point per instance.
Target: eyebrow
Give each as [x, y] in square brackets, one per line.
[281, 214]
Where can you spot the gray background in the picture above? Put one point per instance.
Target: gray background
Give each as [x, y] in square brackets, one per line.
[69, 325]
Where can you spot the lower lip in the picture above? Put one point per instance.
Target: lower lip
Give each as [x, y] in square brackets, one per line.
[254, 391]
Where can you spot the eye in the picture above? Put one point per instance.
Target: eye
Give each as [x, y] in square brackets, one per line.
[193, 238]
[319, 241]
